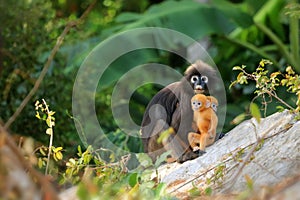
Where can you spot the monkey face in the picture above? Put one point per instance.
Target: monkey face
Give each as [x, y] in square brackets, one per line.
[201, 77]
[199, 83]
[214, 102]
[199, 102]
[196, 105]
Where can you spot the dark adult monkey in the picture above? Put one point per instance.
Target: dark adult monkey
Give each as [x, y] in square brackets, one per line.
[171, 107]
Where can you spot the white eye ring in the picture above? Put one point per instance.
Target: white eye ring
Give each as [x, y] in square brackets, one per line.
[204, 79]
[194, 79]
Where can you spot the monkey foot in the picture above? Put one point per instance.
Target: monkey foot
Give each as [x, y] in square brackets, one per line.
[199, 152]
[220, 136]
[187, 156]
[196, 148]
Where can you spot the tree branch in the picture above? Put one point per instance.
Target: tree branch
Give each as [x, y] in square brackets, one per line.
[38, 82]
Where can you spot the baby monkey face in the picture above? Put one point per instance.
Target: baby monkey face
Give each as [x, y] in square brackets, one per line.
[199, 102]
[196, 105]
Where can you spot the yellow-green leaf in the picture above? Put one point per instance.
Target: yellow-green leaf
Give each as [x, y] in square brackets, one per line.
[79, 150]
[59, 155]
[57, 149]
[42, 151]
[255, 112]
[49, 131]
[236, 68]
[40, 163]
[164, 135]
[232, 84]
[37, 115]
[238, 119]
[51, 113]
[249, 182]
[48, 121]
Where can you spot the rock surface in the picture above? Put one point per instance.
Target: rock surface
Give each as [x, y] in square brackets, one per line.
[240, 156]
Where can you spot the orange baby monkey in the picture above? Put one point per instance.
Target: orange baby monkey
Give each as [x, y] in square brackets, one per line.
[205, 121]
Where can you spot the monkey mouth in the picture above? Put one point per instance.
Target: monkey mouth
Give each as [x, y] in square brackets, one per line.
[199, 91]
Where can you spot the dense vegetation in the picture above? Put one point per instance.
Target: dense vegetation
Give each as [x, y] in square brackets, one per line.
[239, 33]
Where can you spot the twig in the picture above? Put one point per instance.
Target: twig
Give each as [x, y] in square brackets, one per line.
[51, 137]
[248, 157]
[42, 180]
[38, 82]
[279, 99]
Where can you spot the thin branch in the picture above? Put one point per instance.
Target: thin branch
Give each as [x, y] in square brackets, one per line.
[247, 45]
[278, 42]
[248, 157]
[42, 180]
[279, 99]
[38, 82]
[51, 137]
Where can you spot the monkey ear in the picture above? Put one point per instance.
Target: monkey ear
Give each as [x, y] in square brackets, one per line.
[207, 105]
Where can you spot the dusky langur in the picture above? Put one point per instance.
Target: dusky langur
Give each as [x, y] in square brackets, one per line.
[171, 107]
[206, 121]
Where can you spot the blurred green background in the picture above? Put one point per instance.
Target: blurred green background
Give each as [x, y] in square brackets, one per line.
[238, 32]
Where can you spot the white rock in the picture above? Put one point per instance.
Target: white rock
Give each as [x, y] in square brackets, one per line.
[277, 159]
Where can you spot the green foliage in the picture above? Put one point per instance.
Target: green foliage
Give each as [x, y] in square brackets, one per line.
[96, 178]
[267, 83]
[45, 114]
[239, 32]
[255, 112]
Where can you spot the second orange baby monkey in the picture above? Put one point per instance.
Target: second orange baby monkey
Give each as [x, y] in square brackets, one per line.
[205, 121]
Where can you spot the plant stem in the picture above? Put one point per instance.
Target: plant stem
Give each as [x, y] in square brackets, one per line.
[51, 138]
[278, 42]
[253, 48]
[279, 99]
[294, 40]
[47, 64]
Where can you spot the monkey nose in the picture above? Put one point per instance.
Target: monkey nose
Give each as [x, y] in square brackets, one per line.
[198, 87]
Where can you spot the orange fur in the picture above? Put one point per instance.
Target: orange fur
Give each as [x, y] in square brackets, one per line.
[205, 120]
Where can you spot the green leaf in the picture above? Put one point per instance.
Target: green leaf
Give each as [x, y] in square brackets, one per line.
[237, 68]
[40, 163]
[144, 160]
[208, 191]
[59, 155]
[238, 119]
[48, 121]
[42, 151]
[255, 112]
[160, 190]
[233, 83]
[79, 151]
[234, 12]
[57, 149]
[249, 182]
[162, 158]
[51, 113]
[37, 115]
[126, 17]
[133, 179]
[203, 20]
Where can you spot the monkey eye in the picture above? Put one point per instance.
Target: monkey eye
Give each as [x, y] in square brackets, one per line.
[204, 79]
[199, 103]
[194, 79]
